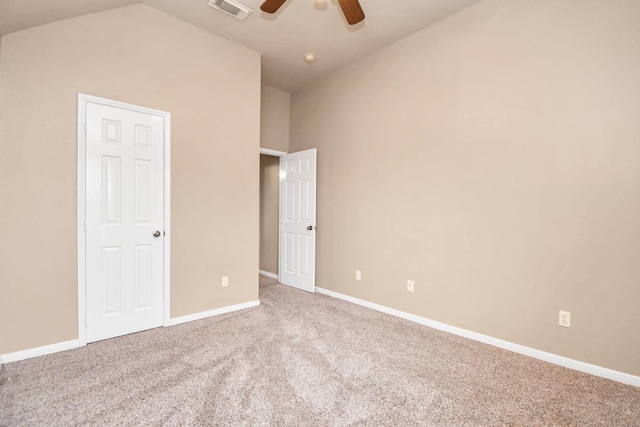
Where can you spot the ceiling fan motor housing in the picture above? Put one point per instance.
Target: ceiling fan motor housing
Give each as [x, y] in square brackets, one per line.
[351, 8]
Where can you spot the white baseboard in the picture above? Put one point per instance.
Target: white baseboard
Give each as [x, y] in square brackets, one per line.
[516, 348]
[211, 313]
[266, 273]
[68, 345]
[39, 351]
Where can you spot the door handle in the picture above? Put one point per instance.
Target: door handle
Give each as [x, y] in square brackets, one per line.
[310, 227]
[157, 233]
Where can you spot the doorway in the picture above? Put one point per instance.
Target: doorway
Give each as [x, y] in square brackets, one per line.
[269, 214]
[288, 244]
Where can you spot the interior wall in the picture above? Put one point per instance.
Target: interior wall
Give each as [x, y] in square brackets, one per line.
[269, 212]
[141, 56]
[274, 126]
[494, 159]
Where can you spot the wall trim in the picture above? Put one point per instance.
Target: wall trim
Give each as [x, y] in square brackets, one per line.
[39, 351]
[577, 365]
[211, 313]
[506, 345]
[270, 152]
[266, 273]
[69, 345]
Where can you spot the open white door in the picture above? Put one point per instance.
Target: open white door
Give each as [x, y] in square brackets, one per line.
[125, 219]
[298, 220]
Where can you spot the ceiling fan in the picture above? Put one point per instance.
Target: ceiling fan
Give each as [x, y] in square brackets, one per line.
[351, 9]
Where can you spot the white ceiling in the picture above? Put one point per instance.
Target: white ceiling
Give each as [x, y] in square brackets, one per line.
[299, 27]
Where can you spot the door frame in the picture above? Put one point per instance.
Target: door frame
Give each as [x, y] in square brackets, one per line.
[83, 99]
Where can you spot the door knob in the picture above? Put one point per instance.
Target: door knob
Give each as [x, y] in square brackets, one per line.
[310, 227]
[157, 233]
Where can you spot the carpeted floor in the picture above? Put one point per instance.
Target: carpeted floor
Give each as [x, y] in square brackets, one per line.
[301, 359]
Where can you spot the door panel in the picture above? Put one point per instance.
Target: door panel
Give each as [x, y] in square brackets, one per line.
[143, 196]
[143, 275]
[111, 195]
[124, 206]
[297, 214]
[112, 280]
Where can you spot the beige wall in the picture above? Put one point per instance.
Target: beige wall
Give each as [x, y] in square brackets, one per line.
[274, 135]
[141, 56]
[274, 126]
[494, 159]
[269, 212]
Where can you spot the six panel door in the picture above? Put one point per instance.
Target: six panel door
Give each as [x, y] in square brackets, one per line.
[298, 219]
[124, 208]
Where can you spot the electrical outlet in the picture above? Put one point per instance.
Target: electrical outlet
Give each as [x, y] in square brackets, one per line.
[225, 282]
[358, 275]
[409, 285]
[564, 319]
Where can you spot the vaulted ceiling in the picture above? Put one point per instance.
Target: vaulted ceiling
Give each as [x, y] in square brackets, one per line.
[283, 39]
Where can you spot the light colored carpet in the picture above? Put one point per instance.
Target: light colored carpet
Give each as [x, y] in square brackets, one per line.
[305, 360]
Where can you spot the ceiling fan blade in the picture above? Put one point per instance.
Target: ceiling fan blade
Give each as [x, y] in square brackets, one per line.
[271, 6]
[352, 11]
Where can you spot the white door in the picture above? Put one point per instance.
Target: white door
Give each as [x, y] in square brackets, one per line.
[124, 221]
[298, 220]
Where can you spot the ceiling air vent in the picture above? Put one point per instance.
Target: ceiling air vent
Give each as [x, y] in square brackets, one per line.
[232, 7]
